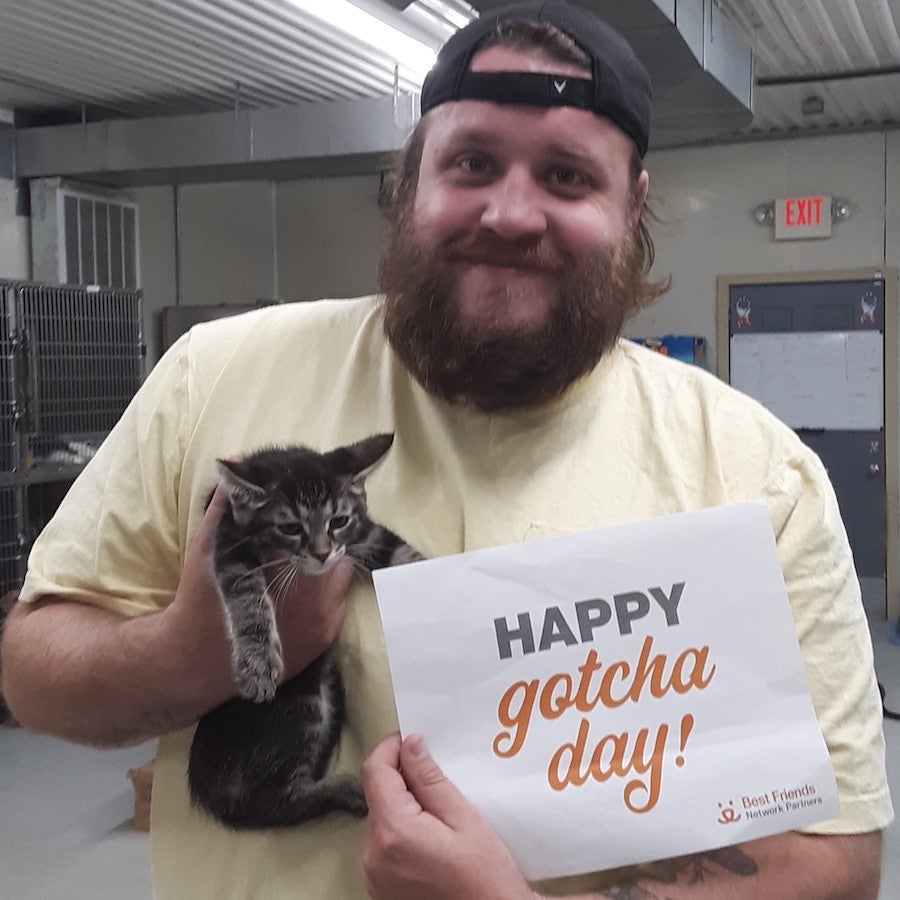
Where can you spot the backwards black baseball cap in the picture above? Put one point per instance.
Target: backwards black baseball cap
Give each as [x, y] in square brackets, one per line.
[618, 90]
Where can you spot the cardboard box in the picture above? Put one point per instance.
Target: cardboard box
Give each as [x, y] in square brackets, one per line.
[142, 779]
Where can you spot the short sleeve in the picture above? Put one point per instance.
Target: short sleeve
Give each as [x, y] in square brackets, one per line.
[114, 540]
[834, 639]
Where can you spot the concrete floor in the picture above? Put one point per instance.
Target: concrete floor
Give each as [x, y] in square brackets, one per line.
[65, 811]
[65, 821]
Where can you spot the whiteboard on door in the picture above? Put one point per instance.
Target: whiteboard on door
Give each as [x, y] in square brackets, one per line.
[825, 379]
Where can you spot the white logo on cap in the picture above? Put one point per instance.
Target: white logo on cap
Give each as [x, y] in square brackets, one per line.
[560, 86]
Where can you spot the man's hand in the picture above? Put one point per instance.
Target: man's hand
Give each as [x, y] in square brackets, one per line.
[309, 612]
[86, 674]
[310, 615]
[424, 840]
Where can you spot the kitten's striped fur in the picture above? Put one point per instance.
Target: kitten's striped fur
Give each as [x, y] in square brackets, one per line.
[260, 760]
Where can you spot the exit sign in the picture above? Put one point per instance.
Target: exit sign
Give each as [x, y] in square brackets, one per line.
[802, 217]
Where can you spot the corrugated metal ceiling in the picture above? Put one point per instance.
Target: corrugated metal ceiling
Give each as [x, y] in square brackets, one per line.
[109, 58]
[846, 53]
[165, 57]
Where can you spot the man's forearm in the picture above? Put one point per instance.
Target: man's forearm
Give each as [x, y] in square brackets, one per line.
[785, 867]
[89, 676]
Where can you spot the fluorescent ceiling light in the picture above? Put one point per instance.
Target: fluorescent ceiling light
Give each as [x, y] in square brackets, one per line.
[411, 54]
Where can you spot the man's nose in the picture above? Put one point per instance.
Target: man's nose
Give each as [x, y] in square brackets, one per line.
[514, 207]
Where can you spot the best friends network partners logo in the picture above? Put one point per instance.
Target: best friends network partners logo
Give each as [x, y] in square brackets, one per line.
[728, 816]
[777, 802]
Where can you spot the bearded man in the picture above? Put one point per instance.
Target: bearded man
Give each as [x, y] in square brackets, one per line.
[518, 249]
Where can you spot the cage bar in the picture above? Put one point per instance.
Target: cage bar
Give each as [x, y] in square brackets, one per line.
[8, 442]
[12, 538]
[71, 360]
[85, 358]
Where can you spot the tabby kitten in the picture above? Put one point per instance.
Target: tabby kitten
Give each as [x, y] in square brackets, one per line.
[259, 761]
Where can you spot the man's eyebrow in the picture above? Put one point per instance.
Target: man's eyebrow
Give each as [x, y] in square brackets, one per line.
[479, 136]
[578, 153]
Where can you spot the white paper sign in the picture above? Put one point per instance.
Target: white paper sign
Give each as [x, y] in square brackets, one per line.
[615, 696]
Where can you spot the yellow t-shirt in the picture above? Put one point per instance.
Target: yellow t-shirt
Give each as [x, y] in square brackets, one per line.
[640, 436]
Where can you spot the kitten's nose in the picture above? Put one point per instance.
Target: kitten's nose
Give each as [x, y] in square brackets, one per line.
[321, 550]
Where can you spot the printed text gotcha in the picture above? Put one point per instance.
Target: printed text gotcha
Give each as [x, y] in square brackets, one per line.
[603, 684]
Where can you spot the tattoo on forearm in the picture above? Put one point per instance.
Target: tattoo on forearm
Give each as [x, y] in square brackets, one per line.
[686, 870]
[734, 860]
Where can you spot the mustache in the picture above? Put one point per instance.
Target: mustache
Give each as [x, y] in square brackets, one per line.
[497, 252]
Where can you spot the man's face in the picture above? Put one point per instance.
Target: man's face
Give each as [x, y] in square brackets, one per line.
[514, 195]
[519, 242]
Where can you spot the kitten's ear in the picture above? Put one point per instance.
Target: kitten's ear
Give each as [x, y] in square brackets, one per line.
[241, 493]
[360, 459]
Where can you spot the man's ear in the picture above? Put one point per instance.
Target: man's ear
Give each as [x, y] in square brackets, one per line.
[639, 193]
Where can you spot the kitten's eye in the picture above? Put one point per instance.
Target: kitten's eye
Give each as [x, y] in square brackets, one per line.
[336, 523]
[290, 528]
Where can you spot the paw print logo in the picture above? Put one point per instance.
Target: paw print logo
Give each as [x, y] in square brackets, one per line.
[868, 304]
[727, 815]
[743, 307]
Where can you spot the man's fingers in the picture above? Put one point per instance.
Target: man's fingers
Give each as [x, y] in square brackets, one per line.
[434, 791]
[387, 754]
[338, 578]
[381, 778]
[218, 503]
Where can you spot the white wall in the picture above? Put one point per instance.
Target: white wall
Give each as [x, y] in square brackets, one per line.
[156, 233]
[225, 242]
[330, 237]
[15, 237]
[242, 242]
[328, 233]
[892, 199]
[706, 197]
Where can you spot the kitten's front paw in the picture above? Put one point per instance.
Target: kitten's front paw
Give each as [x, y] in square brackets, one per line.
[257, 677]
[357, 805]
[350, 797]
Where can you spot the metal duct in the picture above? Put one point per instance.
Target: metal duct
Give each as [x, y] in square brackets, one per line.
[700, 64]
[337, 137]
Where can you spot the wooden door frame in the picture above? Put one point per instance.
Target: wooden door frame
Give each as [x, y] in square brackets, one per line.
[891, 390]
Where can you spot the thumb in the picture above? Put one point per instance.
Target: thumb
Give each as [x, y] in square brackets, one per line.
[435, 793]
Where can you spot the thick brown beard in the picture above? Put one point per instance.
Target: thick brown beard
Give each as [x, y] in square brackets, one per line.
[494, 369]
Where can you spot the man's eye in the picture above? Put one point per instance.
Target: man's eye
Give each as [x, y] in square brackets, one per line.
[290, 528]
[336, 523]
[474, 165]
[567, 178]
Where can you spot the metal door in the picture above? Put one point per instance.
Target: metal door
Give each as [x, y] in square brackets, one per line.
[819, 347]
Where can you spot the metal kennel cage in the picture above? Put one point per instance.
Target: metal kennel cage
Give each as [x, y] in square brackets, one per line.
[74, 361]
[12, 538]
[71, 359]
[8, 441]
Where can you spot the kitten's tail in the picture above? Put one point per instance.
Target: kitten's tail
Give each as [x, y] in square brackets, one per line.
[302, 802]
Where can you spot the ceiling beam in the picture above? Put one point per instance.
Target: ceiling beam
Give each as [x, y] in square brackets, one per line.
[334, 137]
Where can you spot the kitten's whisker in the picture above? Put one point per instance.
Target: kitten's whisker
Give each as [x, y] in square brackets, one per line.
[280, 579]
[283, 582]
[260, 568]
[365, 555]
[239, 543]
[291, 580]
[360, 566]
[280, 590]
